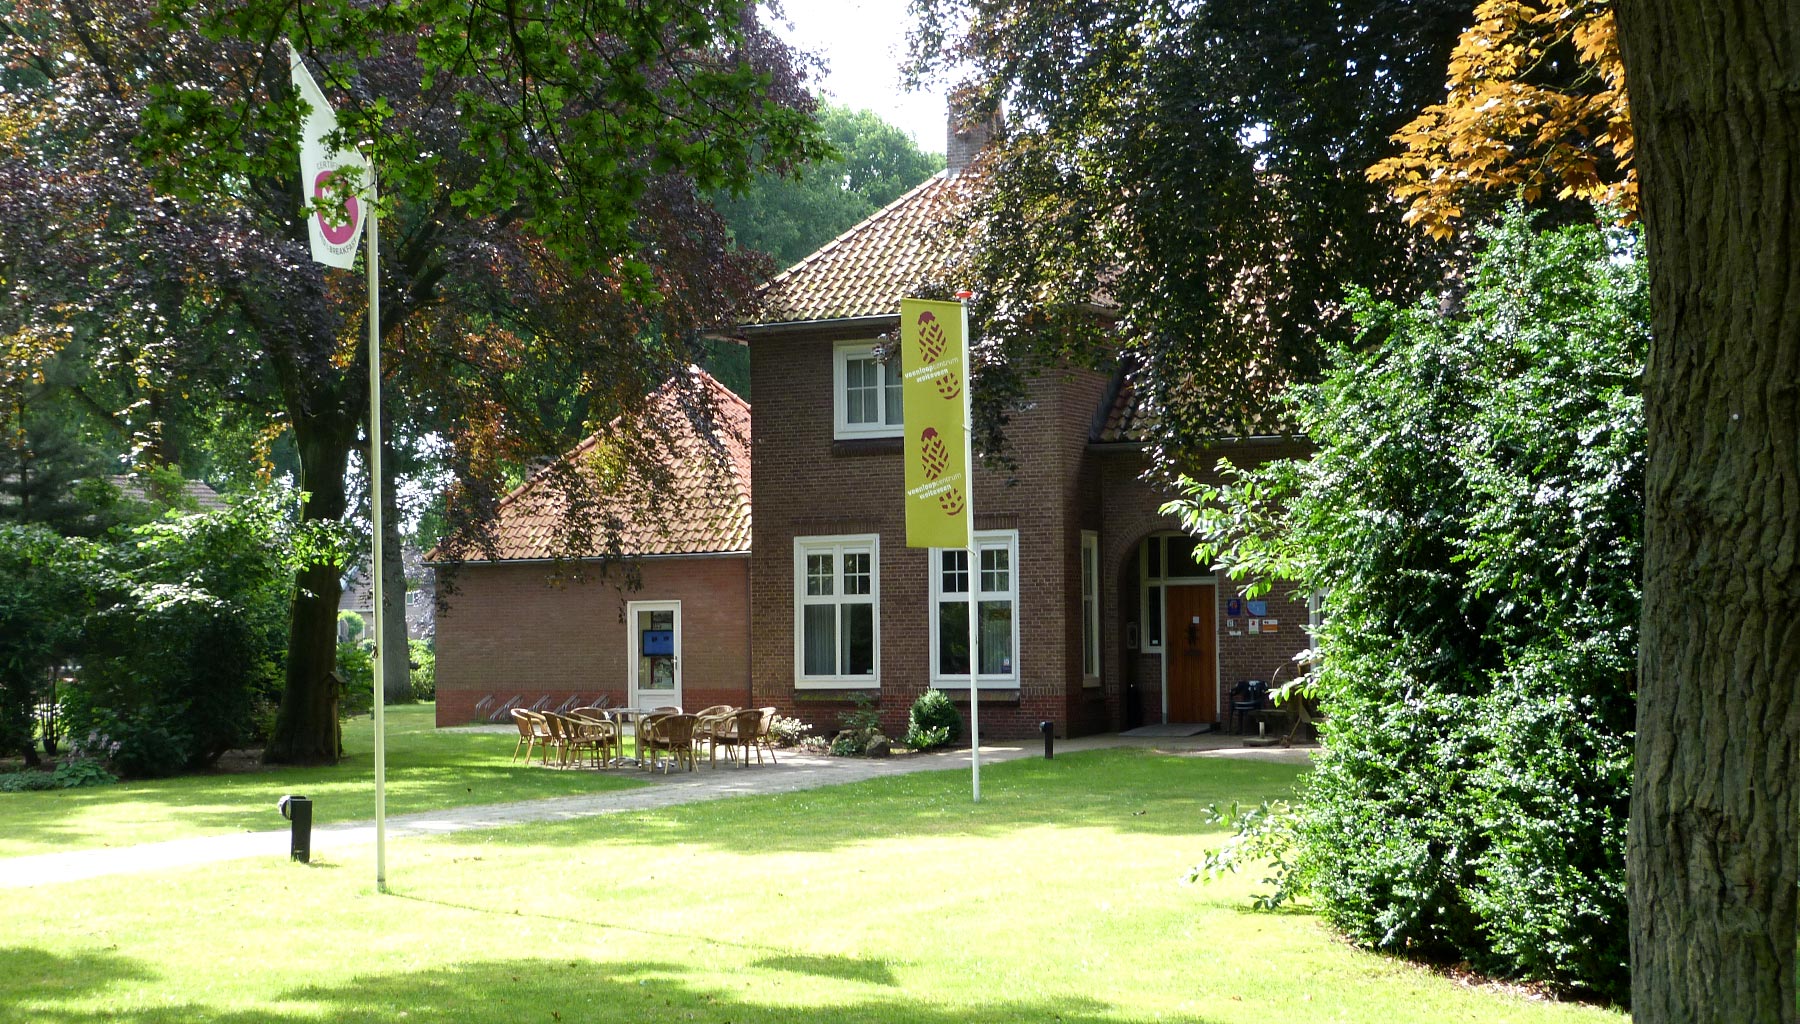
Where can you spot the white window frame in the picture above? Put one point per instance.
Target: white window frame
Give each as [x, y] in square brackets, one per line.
[1147, 582]
[1089, 568]
[1008, 539]
[836, 545]
[843, 429]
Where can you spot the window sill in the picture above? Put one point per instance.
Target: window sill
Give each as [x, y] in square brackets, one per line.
[860, 684]
[836, 694]
[989, 695]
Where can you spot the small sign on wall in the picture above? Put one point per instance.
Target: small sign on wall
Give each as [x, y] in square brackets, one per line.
[1234, 607]
[1254, 625]
[1269, 625]
[1259, 608]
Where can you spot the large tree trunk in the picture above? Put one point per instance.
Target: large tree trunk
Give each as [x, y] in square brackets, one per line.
[396, 668]
[306, 728]
[1714, 850]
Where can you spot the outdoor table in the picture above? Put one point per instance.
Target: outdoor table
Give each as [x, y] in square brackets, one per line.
[622, 716]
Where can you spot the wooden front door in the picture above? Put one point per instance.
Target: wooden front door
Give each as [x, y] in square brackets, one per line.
[1191, 645]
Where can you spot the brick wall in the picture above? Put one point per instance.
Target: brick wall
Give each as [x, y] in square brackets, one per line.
[809, 485]
[513, 636]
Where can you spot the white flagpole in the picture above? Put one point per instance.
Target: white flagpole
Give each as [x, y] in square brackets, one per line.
[974, 557]
[333, 246]
[375, 554]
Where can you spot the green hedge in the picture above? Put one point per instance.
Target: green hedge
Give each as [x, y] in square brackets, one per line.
[1473, 517]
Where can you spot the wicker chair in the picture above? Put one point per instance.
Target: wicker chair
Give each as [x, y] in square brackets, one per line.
[540, 732]
[666, 739]
[599, 729]
[579, 734]
[765, 739]
[735, 732]
[559, 737]
[528, 736]
[707, 720]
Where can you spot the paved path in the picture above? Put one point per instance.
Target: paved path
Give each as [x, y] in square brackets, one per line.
[794, 772]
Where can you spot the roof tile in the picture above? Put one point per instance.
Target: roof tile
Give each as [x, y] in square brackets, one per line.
[701, 506]
[865, 270]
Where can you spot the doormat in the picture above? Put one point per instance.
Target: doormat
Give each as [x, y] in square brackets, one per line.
[1167, 729]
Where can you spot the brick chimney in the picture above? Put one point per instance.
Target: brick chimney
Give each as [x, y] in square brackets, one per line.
[962, 147]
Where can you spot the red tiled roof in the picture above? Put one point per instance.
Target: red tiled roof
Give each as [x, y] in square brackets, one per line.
[1128, 421]
[865, 270]
[696, 500]
[196, 492]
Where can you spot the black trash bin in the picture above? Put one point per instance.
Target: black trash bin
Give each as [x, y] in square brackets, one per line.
[298, 810]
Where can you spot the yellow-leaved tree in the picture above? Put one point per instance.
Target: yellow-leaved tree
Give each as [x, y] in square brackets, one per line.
[1535, 105]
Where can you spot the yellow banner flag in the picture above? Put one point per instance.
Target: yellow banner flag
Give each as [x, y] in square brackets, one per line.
[934, 367]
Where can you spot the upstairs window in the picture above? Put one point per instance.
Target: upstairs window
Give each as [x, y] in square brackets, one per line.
[866, 393]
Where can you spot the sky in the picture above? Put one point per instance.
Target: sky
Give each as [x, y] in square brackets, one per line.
[863, 42]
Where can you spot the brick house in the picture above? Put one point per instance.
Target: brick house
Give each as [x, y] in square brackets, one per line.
[661, 618]
[1094, 615]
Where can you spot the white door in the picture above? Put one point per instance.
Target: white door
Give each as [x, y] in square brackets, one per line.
[655, 628]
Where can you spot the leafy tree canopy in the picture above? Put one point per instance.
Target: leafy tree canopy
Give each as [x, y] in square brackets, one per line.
[1536, 106]
[1200, 168]
[542, 170]
[790, 216]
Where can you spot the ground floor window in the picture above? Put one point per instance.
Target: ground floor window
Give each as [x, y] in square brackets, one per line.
[1090, 606]
[996, 597]
[836, 610]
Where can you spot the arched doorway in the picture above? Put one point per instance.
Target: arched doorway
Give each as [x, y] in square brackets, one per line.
[1177, 610]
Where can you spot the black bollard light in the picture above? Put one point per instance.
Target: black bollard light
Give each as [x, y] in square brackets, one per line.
[1049, 731]
[298, 809]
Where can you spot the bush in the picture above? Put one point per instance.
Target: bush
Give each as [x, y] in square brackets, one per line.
[424, 672]
[357, 668]
[861, 727]
[77, 772]
[788, 732]
[190, 638]
[30, 780]
[46, 590]
[1473, 517]
[932, 721]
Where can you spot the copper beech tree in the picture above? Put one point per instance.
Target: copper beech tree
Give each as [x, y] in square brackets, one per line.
[541, 168]
[1534, 105]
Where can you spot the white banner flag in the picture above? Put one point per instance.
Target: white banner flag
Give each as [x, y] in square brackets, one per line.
[335, 230]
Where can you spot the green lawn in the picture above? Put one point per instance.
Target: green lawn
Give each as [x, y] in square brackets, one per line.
[427, 770]
[1059, 898]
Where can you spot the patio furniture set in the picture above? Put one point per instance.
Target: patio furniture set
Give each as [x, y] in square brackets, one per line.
[664, 736]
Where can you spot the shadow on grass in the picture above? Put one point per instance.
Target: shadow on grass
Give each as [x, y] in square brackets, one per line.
[872, 972]
[1129, 791]
[507, 991]
[37, 974]
[772, 957]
